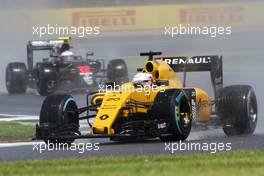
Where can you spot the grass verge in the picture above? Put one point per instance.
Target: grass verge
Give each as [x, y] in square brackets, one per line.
[226, 163]
[12, 131]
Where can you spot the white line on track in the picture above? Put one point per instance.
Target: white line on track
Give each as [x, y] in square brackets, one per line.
[16, 144]
[15, 115]
[9, 117]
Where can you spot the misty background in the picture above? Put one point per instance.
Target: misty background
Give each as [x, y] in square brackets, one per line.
[142, 30]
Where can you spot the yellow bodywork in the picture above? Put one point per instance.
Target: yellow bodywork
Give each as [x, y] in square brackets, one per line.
[65, 38]
[114, 100]
[203, 106]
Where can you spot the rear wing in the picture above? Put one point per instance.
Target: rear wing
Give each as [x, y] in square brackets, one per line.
[44, 44]
[36, 45]
[212, 64]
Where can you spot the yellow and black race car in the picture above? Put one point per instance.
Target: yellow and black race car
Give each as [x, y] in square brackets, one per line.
[155, 104]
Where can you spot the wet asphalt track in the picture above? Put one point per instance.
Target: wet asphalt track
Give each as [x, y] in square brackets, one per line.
[29, 104]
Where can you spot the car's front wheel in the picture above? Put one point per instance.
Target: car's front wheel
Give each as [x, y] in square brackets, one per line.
[46, 79]
[58, 119]
[174, 105]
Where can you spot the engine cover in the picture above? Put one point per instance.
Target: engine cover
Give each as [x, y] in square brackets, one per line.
[203, 106]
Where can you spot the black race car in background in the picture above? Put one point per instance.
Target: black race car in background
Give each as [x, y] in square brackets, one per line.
[60, 71]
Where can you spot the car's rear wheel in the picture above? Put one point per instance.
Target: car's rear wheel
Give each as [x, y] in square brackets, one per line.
[58, 119]
[16, 78]
[237, 108]
[174, 105]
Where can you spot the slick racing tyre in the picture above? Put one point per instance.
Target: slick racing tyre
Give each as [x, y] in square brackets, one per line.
[237, 108]
[16, 78]
[173, 105]
[46, 79]
[117, 71]
[59, 116]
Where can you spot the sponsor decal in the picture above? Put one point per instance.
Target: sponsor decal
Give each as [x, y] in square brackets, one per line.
[46, 43]
[104, 117]
[109, 107]
[203, 104]
[212, 15]
[193, 60]
[111, 18]
[113, 99]
[193, 103]
[162, 125]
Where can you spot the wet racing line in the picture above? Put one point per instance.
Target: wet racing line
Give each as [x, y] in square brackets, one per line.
[31, 104]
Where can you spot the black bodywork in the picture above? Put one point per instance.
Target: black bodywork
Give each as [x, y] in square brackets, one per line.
[61, 73]
[58, 73]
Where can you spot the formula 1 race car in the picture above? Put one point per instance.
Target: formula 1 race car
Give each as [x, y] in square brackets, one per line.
[166, 110]
[62, 71]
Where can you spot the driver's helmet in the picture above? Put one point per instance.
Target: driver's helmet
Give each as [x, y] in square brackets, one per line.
[67, 56]
[67, 53]
[143, 79]
[64, 47]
